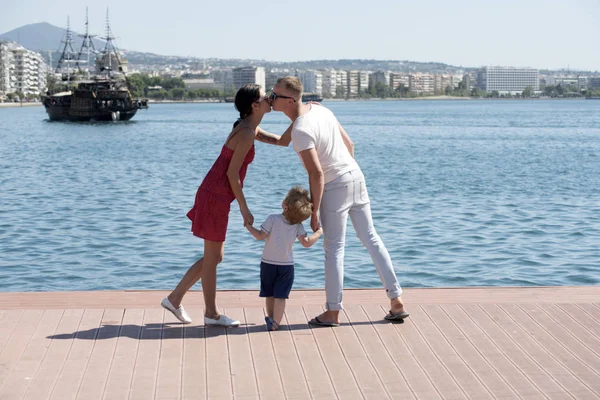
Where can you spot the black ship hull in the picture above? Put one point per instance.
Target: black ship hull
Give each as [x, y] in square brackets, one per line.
[64, 113]
[92, 103]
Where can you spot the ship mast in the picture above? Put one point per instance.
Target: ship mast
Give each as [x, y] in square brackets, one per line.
[67, 54]
[110, 50]
[87, 44]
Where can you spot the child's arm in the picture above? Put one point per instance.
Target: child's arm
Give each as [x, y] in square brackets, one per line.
[258, 234]
[310, 240]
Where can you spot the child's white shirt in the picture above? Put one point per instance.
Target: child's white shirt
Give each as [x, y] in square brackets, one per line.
[282, 234]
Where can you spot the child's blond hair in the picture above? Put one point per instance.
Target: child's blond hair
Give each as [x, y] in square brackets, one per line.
[299, 206]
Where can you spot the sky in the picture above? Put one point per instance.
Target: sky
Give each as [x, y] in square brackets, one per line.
[544, 34]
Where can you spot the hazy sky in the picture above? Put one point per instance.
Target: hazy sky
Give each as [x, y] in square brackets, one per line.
[532, 33]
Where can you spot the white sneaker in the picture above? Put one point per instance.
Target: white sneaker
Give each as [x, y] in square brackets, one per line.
[223, 320]
[179, 313]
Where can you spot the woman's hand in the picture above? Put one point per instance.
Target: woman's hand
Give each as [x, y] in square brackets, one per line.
[247, 216]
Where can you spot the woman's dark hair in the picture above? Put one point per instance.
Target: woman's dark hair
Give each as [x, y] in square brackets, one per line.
[244, 98]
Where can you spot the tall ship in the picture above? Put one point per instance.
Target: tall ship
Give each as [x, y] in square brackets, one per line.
[85, 93]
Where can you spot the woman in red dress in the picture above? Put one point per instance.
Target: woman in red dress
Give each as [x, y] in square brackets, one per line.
[210, 213]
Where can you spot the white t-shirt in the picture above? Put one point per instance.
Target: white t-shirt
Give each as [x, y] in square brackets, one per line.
[319, 129]
[282, 234]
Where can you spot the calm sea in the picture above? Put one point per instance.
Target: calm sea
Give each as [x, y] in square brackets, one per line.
[463, 193]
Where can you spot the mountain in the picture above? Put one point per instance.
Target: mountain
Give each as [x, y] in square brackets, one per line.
[43, 37]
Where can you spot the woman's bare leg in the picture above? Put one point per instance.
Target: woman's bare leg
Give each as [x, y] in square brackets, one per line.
[205, 268]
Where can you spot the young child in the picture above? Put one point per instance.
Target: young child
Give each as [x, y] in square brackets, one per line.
[277, 263]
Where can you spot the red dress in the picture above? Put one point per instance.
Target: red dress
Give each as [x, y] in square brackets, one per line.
[210, 213]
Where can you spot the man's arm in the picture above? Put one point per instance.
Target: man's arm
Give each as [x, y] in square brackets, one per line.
[316, 180]
[271, 138]
[349, 143]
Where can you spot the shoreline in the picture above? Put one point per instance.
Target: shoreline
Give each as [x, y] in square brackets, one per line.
[24, 104]
[435, 98]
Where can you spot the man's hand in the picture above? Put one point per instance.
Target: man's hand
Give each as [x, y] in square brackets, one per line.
[314, 222]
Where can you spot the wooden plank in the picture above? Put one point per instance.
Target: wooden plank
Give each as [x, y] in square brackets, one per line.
[467, 350]
[417, 380]
[218, 369]
[290, 368]
[25, 369]
[570, 320]
[145, 370]
[344, 382]
[18, 341]
[534, 322]
[585, 320]
[316, 374]
[8, 322]
[268, 375]
[168, 385]
[526, 336]
[418, 347]
[594, 312]
[536, 374]
[193, 385]
[96, 374]
[366, 376]
[375, 350]
[42, 385]
[243, 377]
[71, 374]
[455, 365]
[121, 371]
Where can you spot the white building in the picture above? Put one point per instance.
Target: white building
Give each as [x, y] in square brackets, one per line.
[352, 84]
[21, 70]
[363, 81]
[245, 75]
[341, 81]
[312, 81]
[7, 76]
[421, 83]
[397, 79]
[329, 82]
[508, 80]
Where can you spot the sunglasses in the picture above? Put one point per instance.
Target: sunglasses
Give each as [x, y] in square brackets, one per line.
[274, 96]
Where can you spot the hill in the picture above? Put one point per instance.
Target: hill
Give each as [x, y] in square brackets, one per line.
[43, 37]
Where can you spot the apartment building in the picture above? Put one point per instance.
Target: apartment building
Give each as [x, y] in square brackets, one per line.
[312, 81]
[421, 83]
[329, 77]
[507, 80]
[7, 77]
[342, 83]
[352, 83]
[382, 77]
[397, 79]
[363, 81]
[245, 75]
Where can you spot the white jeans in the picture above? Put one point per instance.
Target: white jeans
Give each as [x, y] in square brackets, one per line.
[347, 195]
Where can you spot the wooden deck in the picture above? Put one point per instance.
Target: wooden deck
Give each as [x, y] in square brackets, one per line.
[467, 343]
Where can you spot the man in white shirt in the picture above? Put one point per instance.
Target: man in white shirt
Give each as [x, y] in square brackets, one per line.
[337, 189]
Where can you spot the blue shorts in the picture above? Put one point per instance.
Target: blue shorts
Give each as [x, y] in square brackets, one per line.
[276, 280]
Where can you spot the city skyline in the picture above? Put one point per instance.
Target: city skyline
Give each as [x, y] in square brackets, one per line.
[545, 35]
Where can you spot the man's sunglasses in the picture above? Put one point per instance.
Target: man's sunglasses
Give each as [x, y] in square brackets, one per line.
[274, 96]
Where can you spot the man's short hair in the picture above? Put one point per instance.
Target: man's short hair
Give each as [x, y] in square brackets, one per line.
[292, 83]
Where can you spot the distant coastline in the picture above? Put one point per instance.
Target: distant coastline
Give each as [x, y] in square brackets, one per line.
[212, 101]
[24, 104]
